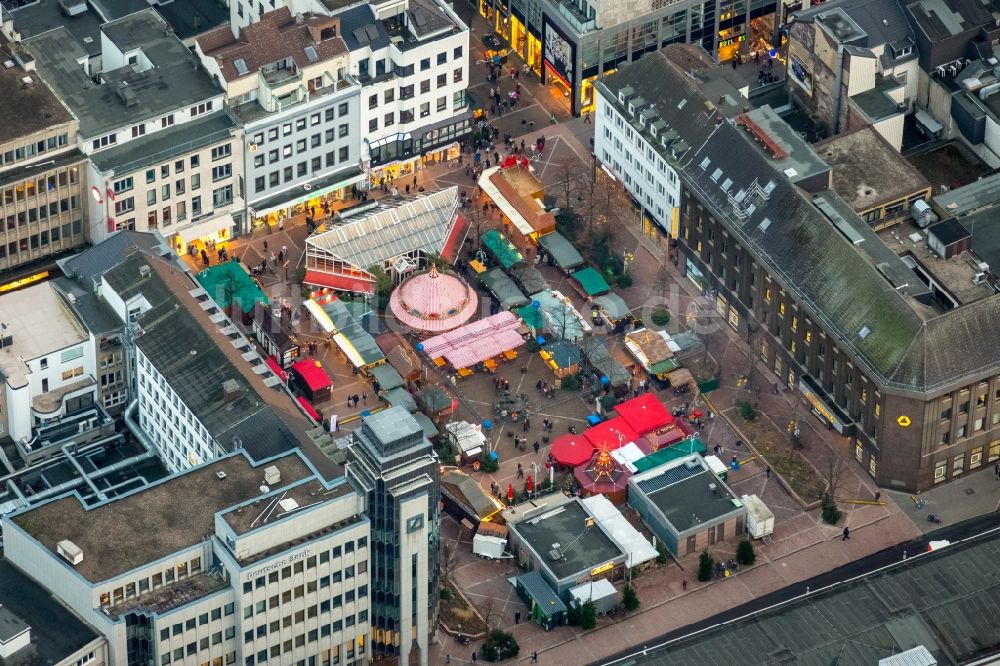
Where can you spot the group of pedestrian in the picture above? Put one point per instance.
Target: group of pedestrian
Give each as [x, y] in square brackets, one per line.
[353, 400]
[547, 424]
[501, 384]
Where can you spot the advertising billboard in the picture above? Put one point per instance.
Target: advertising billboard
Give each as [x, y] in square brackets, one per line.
[559, 53]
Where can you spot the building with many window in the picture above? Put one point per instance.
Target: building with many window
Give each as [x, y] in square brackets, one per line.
[395, 465]
[240, 562]
[412, 60]
[40, 168]
[49, 367]
[286, 80]
[163, 153]
[570, 43]
[844, 318]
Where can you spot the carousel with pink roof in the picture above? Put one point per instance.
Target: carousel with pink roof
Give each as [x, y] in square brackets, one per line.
[433, 302]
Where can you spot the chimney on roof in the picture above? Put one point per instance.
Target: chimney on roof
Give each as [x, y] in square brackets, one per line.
[230, 390]
[322, 30]
[144, 271]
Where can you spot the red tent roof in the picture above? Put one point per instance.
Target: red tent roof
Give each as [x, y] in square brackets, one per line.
[572, 450]
[309, 408]
[276, 369]
[312, 374]
[644, 413]
[613, 433]
[340, 282]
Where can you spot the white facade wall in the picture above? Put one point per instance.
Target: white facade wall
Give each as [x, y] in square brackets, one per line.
[182, 191]
[637, 163]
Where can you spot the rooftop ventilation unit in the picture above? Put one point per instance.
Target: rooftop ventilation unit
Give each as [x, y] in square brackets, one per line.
[69, 551]
[272, 475]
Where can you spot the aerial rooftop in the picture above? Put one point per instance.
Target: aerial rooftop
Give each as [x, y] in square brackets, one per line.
[39, 322]
[150, 524]
[928, 600]
[686, 497]
[56, 633]
[276, 36]
[19, 94]
[867, 172]
[268, 509]
[583, 547]
[174, 81]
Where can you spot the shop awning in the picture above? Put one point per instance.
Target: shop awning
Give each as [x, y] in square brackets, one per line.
[209, 227]
[308, 408]
[501, 248]
[276, 368]
[562, 251]
[400, 396]
[592, 282]
[339, 282]
[613, 307]
[320, 316]
[501, 286]
[312, 373]
[309, 190]
[386, 376]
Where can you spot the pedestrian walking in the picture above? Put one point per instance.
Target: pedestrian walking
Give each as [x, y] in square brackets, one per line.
[517, 617]
[684, 586]
[586, 117]
[364, 399]
[534, 657]
[769, 472]
[535, 447]
[996, 469]
[524, 426]
[847, 533]
[473, 657]
[447, 659]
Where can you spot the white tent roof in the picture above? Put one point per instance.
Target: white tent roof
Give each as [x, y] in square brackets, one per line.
[628, 454]
[594, 590]
[637, 549]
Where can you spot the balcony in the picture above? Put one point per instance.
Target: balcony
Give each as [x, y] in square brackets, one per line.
[280, 77]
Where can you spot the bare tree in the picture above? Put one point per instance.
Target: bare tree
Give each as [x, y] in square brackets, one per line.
[568, 178]
[480, 222]
[488, 611]
[447, 561]
[833, 472]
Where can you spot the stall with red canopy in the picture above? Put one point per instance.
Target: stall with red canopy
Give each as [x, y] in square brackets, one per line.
[312, 379]
[571, 450]
[613, 433]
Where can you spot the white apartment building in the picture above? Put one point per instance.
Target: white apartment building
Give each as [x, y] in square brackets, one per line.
[192, 400]
[632, 148]
[163, 153]
[412, 60]
[48, 361]
[232, 562]
[286, 79]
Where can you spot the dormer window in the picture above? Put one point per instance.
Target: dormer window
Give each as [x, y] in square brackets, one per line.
[631, 110]
[652, 130]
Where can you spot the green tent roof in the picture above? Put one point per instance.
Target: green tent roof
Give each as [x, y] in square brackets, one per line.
[613, 306]
[228, 283]
[500, 284]
[531, 316]
[662, 367]
[679, 450]
[591, 281]
[386, 376]
[501, 248]
[562, 251]
[400, 396]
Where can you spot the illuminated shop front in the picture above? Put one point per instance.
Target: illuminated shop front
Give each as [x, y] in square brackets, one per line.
[526, 41]
[401, 155]
[204, 235]
[314, 197]
[731, 42]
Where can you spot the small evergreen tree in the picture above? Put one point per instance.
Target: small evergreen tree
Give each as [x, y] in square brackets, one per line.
[705, 566]
[629, 598]
[500, 645]
[661, 553]
[588, 615]
[830, 512]
[747, 411]
[744, 552]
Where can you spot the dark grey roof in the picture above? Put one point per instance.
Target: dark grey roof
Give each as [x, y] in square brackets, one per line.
[882, 21]
[87, 266]
[985, 228]
[358, 18]
[876, 103]
[56, 633]
[928, 600]
[547, 600]
[940, 19]
[582, 547]
[176, 81]
[165, 144]
[43, 16]
[968, 198]
[690, 502]
[95, 314]
[186, 18]
[807, 255]
[949, 231]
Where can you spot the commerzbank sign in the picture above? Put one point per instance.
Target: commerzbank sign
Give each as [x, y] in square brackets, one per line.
[274, 566]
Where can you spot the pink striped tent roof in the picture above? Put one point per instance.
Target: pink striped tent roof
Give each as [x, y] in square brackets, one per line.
[433, 302]
[471, 334]
[483, 348]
